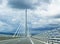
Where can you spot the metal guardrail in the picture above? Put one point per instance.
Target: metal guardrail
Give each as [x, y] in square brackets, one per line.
[54, 40]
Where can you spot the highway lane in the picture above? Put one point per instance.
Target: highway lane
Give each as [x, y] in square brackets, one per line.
[16, 41]
[22, 41]
[36, 40]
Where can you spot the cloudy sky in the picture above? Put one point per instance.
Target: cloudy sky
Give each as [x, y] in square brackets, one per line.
[41, 14]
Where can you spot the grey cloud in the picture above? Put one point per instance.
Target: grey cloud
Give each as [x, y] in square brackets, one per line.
[21, 4]
[57, 16]
[45, 1]
[0, 1]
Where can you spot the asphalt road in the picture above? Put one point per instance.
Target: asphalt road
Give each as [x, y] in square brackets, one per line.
[16, 41]
[22, 41]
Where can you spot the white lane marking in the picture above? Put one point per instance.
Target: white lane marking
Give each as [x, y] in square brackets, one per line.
[46, 43]
[41, 41]
[31, 40]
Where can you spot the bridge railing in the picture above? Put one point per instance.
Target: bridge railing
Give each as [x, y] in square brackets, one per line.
[54, 41]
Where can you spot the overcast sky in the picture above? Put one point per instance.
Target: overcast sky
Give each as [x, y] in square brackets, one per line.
[41, 13]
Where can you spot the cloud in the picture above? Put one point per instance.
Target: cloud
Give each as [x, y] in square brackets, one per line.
[54, 8]
[22, 4]
[0, 1]
[4, 27]
[56, 16]
[48, 10]
[42, 16]
[12, 18]
[45, 1]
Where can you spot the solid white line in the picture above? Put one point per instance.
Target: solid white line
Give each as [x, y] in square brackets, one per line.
[31, 40]
[41, 41]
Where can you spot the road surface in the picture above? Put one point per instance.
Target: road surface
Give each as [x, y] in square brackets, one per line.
[16, 41]
[21, 41]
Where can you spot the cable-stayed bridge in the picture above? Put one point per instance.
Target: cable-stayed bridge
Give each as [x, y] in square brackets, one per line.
[26, 37]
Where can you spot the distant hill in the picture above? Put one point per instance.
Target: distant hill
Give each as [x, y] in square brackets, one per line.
[6, 33]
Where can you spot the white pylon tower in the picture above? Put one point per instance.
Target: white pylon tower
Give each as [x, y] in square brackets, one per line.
[27, 33]
[17, 33]
[26, 23]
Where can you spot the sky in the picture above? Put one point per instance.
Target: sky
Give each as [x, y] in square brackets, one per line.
[40, 14]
